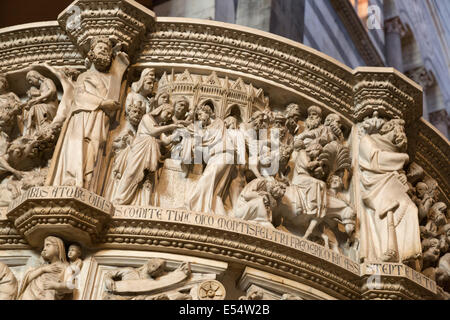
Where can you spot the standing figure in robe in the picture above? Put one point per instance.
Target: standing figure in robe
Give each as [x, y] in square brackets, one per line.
[136, 105]
[8, 283]
[210, 191]
[87, 112]
[135, 186]
[48, 281]
[43, 103]
[389, 224]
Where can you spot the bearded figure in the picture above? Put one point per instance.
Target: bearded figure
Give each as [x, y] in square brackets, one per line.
[136, 106]
[389, 224]
[87, 111]
[315, 132]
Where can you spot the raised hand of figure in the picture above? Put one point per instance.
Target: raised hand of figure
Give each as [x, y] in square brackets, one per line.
[123, 57]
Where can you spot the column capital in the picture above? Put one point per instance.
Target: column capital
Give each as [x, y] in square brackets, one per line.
[395, 25]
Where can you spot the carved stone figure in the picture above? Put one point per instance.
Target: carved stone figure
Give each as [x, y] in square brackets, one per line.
[10, 109]
[431, 252]
[389, 224]
[315, 131]
[423, 198]
[136, 184]
[293, 114]
[42, 104]
[209, 192]
[145, 283]
[8, 283]
[308, 192]
[256, 201]
[436, 219]
[136, 105]
[95, 98]
[48, 281]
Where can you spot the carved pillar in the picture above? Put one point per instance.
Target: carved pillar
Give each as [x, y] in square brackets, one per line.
[440, 120]
[394, 31]
[287, 18]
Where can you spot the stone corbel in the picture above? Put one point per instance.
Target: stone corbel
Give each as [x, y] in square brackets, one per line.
[122, 21]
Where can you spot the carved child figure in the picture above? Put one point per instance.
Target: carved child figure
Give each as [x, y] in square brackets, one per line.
[74, 255]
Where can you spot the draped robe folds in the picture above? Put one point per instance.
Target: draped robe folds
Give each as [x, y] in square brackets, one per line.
[44, 112]
[210, 189]
[380, 162]
[143, 155]
[85, 131]
[253, 210]
[34, 289]
[8, 283]
[307, 192]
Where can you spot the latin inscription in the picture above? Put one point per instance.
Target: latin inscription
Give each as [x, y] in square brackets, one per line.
[63, 192]
[239, 226]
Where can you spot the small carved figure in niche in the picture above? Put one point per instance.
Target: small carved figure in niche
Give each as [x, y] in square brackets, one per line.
[293, 115]
[8, 283]
[135, 186]
[339, 206]
[180, 116]
[210, 191]
[146, 282]
[389, 224]
[436, 220]
[443, 272]
[444, 238]
[333, 128]
[423, 200]
[74, 255]
[47, 282]
[431, 252]
[42, 104]
[258, 199]
[93, 100]
[10, 109]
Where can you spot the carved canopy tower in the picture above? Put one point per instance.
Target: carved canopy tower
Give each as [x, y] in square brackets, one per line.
[236, 72]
